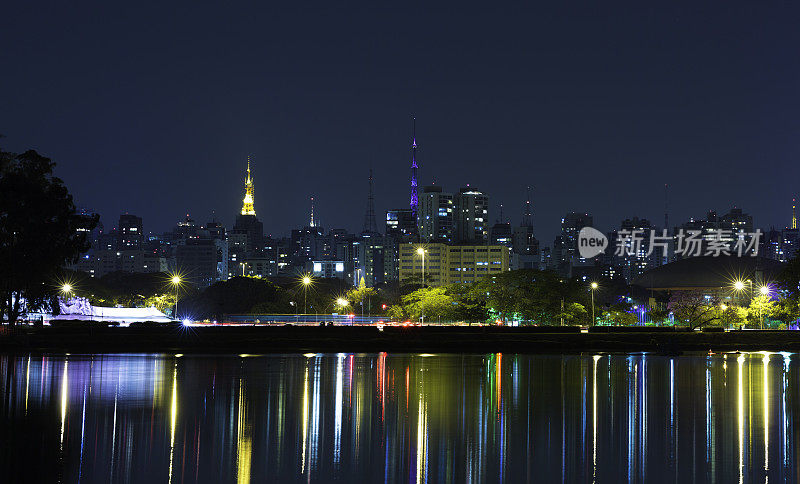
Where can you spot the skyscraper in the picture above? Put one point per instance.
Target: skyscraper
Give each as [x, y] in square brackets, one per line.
[435, 216]
[471, 216]
[131, 236]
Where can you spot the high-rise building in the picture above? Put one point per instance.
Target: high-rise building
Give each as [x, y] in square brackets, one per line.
[130, 235]
[565, 247]
[369, 259]
[401, 227]
[471, 216]
[502, 234]
[629, 249]
[197, 260]
[435, 218]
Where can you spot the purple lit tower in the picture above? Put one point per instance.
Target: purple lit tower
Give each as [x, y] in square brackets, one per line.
[414, 201]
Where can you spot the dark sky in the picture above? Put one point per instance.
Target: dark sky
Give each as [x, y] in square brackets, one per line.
[152, 110]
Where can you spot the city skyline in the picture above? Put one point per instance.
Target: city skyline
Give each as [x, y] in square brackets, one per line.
[313, 218]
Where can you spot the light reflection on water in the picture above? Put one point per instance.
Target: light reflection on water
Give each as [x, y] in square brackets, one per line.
[400, 418]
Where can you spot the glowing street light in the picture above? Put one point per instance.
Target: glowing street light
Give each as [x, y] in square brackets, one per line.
[176, 281]
[738, 285]
[342, 303]
[66, 289]
[421, 252]
[764, 290]
[593, 286]
[306, 280]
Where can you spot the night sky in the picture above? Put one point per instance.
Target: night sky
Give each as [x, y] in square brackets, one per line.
[152, 110]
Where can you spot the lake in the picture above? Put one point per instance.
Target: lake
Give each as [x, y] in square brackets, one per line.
[400, 418]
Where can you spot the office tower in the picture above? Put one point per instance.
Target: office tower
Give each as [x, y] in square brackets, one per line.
[130, 234]
[435, 218]
[471, 216]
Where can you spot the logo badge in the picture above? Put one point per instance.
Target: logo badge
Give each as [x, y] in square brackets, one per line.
[591, 242]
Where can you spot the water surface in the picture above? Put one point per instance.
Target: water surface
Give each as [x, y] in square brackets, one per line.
[400, 418]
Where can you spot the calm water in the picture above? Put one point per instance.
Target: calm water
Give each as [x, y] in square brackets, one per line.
[400, 418]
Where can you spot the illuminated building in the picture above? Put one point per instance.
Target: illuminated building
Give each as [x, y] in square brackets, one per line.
[435, 218]
[246, 222]
[471, 216]
[327, 269]
[565, 253]
[369, 259]
[401, 227]
[448, 264]
[635, 259]
[249, 199]
[131, 235]
[501, 234]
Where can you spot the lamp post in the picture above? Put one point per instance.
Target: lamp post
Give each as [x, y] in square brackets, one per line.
[66, 289]
[593, 286]
[176, 281]
[764, 290]
[738, 286]
[421, 252]
[306, 282]
[342, 303]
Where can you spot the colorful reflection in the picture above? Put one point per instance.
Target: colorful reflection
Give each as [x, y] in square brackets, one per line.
[400, 418]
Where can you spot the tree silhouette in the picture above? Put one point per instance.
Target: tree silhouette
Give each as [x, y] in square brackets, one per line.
[40, 231]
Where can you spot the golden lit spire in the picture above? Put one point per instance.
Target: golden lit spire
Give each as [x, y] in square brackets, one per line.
[247, 206]
[794, 214]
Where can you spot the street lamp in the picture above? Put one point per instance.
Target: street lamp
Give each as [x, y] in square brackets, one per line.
[306, 281]
[739, 286]
[176, 281]
[764, 290]
[341, 303]
[66, 289]
[421, 252]
[593, 286]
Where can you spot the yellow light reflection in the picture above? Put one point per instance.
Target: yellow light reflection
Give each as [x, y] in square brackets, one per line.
[173, 418]
[422, 437]
[27, 383]
[244, 446]
[765, 361]
[740, 361]
[594, 417]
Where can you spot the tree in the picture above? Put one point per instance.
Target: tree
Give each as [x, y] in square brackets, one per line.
[694, 308]
[619, 314]
[40, 231]
[432, 302]
[733, 316]
[761, 307]
[363, 296]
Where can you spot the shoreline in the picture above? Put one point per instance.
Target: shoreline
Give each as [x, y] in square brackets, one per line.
[299, 339]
